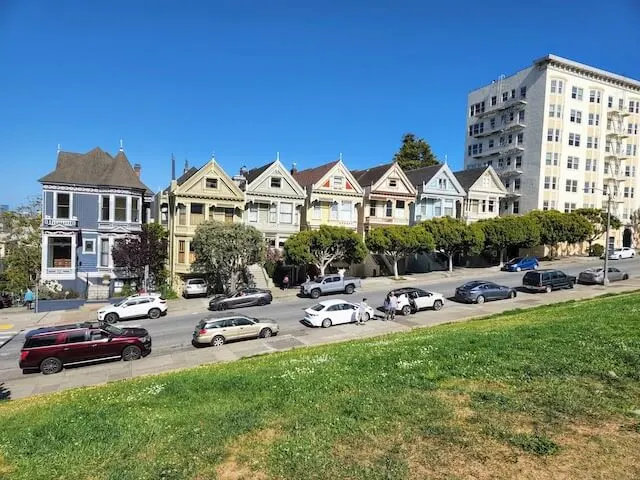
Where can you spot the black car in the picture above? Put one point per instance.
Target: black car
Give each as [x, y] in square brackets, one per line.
[547, 280]
[6, 301]
[245, 297]
[480, 291]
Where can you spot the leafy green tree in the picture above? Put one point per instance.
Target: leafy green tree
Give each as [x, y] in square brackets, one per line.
[578, 228]
[598, 220]
[558, 227]
[501, 233]
[451, 236]
[146, 248]
[414, 153]
[323, 246]
[399, 241]
[23, 246]
[223, 251]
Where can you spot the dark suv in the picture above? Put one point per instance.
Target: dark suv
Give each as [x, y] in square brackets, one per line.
[48, 349]
[547, 280]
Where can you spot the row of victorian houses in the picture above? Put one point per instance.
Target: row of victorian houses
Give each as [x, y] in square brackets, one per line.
[90, 200]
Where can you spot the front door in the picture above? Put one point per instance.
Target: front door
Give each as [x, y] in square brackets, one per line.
[626, 238]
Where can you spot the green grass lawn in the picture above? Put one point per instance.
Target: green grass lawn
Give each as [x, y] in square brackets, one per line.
[552, 392]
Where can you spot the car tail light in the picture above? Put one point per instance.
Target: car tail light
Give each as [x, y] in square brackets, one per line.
[23, 355]
[162, 300]
[202, 331]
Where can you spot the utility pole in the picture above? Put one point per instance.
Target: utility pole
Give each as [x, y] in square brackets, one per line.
[605, 279]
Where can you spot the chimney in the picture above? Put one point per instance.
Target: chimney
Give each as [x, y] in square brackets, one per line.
[137, 168]
[294, 170]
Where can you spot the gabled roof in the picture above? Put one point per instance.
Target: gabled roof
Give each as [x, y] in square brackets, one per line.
[370, 176]
[94, 168]
[468, 177]
[254, 173]
[422, 175]
[310, 176]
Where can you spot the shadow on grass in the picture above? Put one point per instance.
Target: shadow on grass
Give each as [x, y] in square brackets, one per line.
[5, 394]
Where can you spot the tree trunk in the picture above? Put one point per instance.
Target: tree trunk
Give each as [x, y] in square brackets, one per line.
[451, 262]
[322, 267]
[501, 257]
[589, 251]
[395, 268]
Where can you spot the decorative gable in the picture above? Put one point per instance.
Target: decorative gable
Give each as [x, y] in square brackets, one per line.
[275, 180]
[340, 179]
[445, 182]
[211, 180]
[394, 180]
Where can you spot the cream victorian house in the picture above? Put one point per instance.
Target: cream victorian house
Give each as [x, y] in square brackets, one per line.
[484, 190]
[274, 201]
[388, 196]
[333, 196]
[199, 195]
[439, 194]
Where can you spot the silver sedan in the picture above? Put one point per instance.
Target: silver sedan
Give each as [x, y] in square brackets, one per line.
[596, 275]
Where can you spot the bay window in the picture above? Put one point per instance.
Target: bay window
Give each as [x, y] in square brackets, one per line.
[63, 205]
[135, 210]
[286, 213]
[105, 209]
[346, 213]
[120, 209]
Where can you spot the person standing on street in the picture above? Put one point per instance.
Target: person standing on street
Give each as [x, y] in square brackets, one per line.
[28, 298]
[285, 282]
[361, 312]
[387, 307]
[393, 306]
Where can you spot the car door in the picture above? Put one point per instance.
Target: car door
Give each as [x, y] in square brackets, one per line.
[327, 285]
[128, 308]
[251, 297]
[614, 274]
[143, 306]
[75, 347]
[348, 312]
[560, 280]
[101, 347]
[422, 299]
[242, 327]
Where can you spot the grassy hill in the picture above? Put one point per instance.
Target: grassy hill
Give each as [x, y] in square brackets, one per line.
[552, 392]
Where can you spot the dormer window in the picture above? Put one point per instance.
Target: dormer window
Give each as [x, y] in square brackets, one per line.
[338, 182]
[393, 182]
[442, 183]
[211, 183]
[276, 182]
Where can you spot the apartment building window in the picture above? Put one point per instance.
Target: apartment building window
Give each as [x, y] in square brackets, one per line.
[627, 171]
[276, 182]
[120, 209]
[553, 135]
[556, 86]
[516, 184]
[135, 210]
[520, 138]
[516, 207]
[594, 96]
[476, 109]
[552, 110]
[316, 211]
[372, 208]
[63, 205]
[551, 159]
[606, 167]
[518, 161]
[492, 122]
[545, 205]
[626, 192]
[104, 252]
[273, 213]
[574, 139]
[491, 143]
[547, 183]
[523, 92]
[590, 165]
[631, 192]
[571, 186]
[494, 100]
[634, 106]
[510, 138]
[476, 128]
[629, 148]
[610, 102]
[620, 104]
[513, 93]
[505, 96]
[575, 116]
[576, 93]
[594, 143]
[594, 119]
[181, 251]
[594, 166]
[333, 213]
[573, 162]
[587, 188]
[569, 207]
[253, 212]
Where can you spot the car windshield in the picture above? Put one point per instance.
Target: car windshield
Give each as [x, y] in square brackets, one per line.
[319, 279]
[515, 260]
[317, 307]
[120, 303]
[113, 330]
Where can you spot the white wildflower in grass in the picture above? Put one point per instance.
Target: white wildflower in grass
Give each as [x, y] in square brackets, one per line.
[409, 364]
[149, 391]
[428, 349]
[320, 359]
[297, 372]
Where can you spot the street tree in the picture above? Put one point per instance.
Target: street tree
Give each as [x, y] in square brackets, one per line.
[578, 228]
[398, 242]
[558, 227]
[224, 251]
[23, 252]
[414, 153]
[323, 246]
[147, 248]
[512, 231]
[451, 237]
[598, 220]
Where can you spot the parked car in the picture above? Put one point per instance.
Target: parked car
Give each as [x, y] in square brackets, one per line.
[479, 291]
[620, 253]
[411, 300]
[216, 331]
[596, 275]
[521, 263]
[547, 280]
[6, 301]
[195, 287]
[333, 312]
[326, 284]
[136, 306]
[48, 350]
[245, 297]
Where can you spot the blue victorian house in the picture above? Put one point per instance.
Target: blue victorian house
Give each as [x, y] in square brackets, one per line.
[89, 201]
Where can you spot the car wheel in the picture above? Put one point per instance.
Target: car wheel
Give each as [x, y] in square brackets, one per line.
[217, 341]
[326, 323]
[348, 289]
[154, 313]
[480, 299]
[512, 294]
[518, 269]
[131, 352]
[406, 310]
[619, 257]
[548, 289]
[437, 305]
[367, 317]
[265, 333]
[111, 318]
[625, 277]
[261, 302]
[222, 306]
[315, 293]
[50, 366]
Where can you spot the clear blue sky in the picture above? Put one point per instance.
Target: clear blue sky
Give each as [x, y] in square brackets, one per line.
[248, 78]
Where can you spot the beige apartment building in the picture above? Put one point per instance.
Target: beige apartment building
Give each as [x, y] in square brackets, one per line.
[561, 135]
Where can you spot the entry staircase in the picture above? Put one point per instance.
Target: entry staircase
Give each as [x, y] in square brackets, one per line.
[259, 276]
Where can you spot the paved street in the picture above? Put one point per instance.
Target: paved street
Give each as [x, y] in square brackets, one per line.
[172, 333]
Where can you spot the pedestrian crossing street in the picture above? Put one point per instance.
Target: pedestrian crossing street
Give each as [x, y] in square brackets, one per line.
[6, 336]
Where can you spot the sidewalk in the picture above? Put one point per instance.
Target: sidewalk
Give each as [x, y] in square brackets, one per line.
[34, 384]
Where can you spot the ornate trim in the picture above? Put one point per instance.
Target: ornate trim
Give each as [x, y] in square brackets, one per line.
[95, 190]
[588, 74]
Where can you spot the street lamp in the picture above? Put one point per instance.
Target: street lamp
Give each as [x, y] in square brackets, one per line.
[607, 192]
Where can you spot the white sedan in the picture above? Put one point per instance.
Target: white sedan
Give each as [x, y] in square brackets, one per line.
[136, 306]
[333, 312]
[624, 252]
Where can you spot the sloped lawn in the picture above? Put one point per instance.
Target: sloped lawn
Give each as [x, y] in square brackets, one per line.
[547, 393]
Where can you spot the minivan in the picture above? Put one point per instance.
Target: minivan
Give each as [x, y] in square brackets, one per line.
[547, 280]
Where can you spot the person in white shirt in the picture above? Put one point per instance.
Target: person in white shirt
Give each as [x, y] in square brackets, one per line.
[362, 311]
[393, 306]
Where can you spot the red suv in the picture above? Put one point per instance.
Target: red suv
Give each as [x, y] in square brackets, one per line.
[48, 349]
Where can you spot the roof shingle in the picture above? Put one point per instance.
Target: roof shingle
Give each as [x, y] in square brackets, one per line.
[467, 178]
[95, 168]
[422, 175]
[254, 173]
[371, 175]
[312, 175]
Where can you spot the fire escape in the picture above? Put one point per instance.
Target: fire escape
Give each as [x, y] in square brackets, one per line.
[615, 153]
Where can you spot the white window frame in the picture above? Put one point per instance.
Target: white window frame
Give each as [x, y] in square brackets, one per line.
[337, 182]
[126, 204]
[393, 182]
[286, 217]
[55, 205]
[137, 210]
[101, 208]
[334, 211]
[346, 211]
[102, 240]
[87, 241]
[317, 211]
[273, 213]
[279, 182]
[253, 212]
